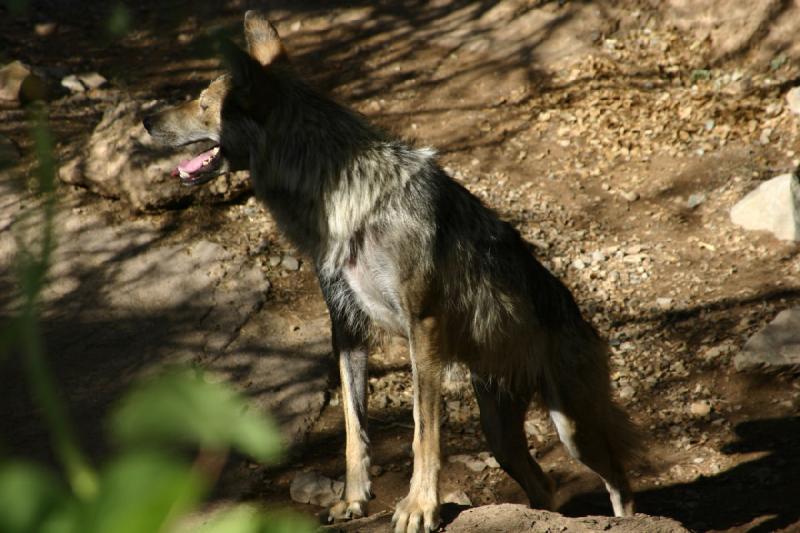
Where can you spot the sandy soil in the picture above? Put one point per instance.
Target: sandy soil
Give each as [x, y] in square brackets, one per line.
[595, 128]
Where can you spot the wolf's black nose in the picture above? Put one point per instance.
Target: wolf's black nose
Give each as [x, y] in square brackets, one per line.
[148, 123]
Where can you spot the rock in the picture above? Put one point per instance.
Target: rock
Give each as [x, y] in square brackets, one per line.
[92, 80]
[476, 465]
[314, 488]
[78, 83]
[598, 256]
[773, 206]
[793, 100]
[459, 497]
[72, 83]
[664, 303]
[630, 196]
[515, 517]
[376, 470]
[715, 351]
[634, 259]
[491, 462]
[700, 408]
[695, 200]
[45, 29]
[290, 263]
[274, 260]
[627, 392]
[578, 264]
[775, 348]
[18, 83]
[121, 161]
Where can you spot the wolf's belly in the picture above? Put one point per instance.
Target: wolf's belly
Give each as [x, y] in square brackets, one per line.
[377, 291]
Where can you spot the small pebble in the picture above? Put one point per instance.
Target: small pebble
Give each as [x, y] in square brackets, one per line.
[290, 263]
[700, 408]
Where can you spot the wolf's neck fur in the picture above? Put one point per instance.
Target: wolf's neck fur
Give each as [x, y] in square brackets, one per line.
[322, 169]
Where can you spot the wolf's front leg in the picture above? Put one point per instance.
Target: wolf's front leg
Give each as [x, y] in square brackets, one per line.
[352, 353]
[419, 511]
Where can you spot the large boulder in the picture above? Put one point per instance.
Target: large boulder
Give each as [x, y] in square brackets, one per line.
[773, 206]
[776, 348]
[519, 518]
[121, 161]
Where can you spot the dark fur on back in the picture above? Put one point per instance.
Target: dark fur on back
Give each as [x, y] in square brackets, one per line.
[335, 182]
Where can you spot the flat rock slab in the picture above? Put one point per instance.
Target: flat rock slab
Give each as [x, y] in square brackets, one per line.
[507, 517]
[776, 348]
[128, 299]
[121, 161]
[773, 206]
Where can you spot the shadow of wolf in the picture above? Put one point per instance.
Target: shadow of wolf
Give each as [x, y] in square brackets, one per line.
[400, 247]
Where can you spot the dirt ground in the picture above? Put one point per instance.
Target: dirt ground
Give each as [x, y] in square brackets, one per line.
[614, 135]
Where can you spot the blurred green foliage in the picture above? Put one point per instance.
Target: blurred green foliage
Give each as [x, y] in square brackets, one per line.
[119, 20]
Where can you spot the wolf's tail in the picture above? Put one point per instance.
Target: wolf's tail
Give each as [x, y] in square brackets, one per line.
[578, 386]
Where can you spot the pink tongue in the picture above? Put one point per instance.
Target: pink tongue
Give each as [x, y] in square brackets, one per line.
[194, 164]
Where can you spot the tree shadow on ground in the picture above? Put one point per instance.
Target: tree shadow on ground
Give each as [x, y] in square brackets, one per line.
[764, 486]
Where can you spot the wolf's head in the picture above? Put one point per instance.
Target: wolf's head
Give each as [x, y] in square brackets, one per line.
[219, 119]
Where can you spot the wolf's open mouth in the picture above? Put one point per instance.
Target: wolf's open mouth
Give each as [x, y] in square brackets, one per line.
[201, 168]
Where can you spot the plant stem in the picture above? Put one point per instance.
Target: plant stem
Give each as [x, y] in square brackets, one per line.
[33, 275]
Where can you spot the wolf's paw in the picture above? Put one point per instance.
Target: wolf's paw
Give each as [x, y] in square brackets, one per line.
[343, 510]
[414, 514]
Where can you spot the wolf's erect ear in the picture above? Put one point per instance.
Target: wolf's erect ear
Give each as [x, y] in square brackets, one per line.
[263, 42]
[242, 68]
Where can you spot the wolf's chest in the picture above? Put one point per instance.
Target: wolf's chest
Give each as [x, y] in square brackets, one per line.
[377, 289]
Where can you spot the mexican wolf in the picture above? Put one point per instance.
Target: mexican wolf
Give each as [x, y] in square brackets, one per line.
[400, 247]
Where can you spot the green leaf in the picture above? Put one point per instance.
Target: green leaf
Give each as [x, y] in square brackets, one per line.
[142, 492]
[182, 407]
[31, 500]
[247, 519]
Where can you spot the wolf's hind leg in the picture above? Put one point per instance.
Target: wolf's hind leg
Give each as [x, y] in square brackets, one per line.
[352, 352]
[502, 420]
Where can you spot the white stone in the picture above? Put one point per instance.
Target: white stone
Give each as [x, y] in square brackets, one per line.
[664, 303]
[627, 392]
[491, 462]
[92, 80]
[700, 408]
[290, 263]
[477, 465]
[72, 83]
[793, 100]
[773, 206]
